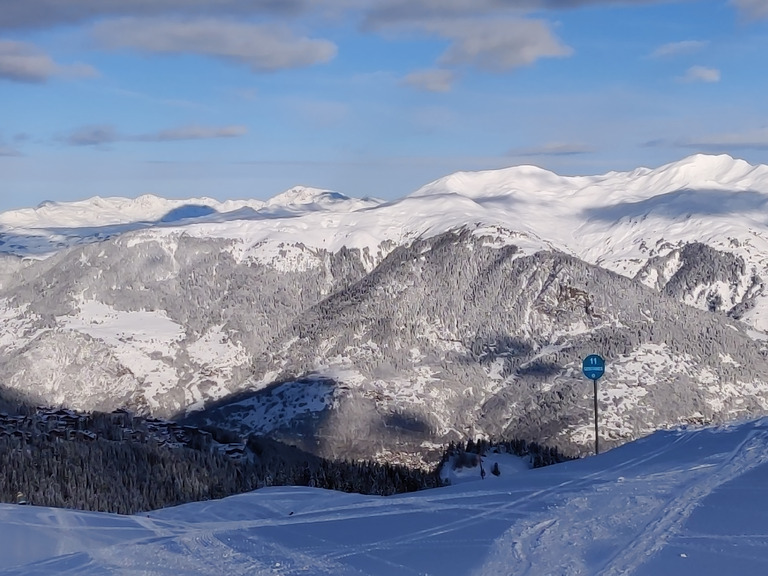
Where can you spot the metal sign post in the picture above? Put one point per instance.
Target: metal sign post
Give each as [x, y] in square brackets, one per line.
[593, 368]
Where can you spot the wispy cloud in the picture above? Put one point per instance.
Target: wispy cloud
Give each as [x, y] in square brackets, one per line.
[750, 140]
[752, 8]
[102, 134]
[94, 135]
[724, 142]
[24, 62]
[431, 80]
[249, 94]
[320, 113]
[393, 12]
[8, 151]
[174, 102]
[260, 47]
[194, 133]
[679, 48]
[383, 13]
[553, 149]
[43, 13]
[701, 74]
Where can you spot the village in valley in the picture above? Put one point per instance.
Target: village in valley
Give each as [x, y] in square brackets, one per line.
[63, 424]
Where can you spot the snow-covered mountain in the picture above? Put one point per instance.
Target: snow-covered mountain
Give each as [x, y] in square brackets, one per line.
[357, 326]
[686, 501]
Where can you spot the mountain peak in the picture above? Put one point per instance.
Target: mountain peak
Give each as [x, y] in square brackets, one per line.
[492, 182]
[302, 195]
[707, 169]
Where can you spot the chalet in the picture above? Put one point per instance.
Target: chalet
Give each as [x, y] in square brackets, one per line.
[71, 419]
[181, 436]
[86, 435]
[199, 439]
[235, 451]
[121, 417]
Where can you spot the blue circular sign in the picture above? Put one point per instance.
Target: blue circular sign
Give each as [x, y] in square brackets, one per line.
[593, 366]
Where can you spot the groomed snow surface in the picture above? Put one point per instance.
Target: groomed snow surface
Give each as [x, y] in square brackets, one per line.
[678, 502]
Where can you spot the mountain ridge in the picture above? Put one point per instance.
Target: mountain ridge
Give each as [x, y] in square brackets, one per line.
[448, 312]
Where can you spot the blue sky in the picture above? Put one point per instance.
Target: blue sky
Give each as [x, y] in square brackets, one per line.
[245, 98]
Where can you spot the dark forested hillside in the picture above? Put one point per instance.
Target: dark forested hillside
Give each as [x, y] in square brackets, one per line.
[89, 462]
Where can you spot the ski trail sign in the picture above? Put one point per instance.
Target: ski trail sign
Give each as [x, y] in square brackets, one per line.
[593, 367]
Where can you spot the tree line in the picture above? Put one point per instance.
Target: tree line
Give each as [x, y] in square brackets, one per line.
[127, 477]
[124, 476]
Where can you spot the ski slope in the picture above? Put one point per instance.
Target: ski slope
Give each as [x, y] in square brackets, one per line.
[688, 501]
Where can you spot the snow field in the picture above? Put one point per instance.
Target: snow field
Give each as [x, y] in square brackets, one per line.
[676, 502]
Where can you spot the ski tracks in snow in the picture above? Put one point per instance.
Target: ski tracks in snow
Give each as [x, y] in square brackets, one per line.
[750, 453]
[621, 523]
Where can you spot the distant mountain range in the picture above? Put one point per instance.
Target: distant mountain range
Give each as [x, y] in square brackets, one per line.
[359, 327]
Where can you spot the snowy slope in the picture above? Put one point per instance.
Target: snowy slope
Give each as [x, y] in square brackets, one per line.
[619, 220]
[686, 501]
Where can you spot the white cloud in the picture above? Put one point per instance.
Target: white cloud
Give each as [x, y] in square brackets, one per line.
[431, 80]
[701, 74]
[101, 134]
[678, 48]
[492, 34]
[261, 47]
[24, 62]
[752, 8]
[499, 45]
